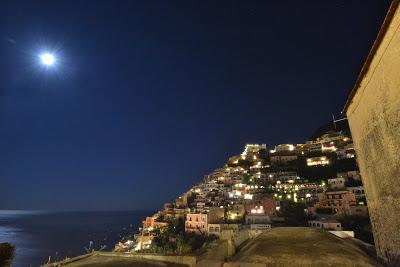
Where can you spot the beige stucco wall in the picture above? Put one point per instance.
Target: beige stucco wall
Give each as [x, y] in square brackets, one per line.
[374, 118]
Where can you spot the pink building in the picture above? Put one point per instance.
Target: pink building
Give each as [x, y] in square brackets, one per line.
[151, 223]
[339, 202]
[196, 223]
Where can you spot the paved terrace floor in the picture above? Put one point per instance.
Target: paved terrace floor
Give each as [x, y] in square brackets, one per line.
[302, 246]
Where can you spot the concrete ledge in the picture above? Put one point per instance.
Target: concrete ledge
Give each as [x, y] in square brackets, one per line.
[185, 260]
[181, 260]
[209, 263]
[244, 264]
[67, 261]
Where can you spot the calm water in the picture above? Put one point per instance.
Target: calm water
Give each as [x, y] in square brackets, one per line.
[38, 235]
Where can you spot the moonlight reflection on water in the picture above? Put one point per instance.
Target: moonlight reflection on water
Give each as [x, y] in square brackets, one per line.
[38, 235]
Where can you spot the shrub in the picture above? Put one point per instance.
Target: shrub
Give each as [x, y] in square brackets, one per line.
[7, 254]
[293, 213]
[174, 240]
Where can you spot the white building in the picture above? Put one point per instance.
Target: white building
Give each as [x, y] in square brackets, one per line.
[283, 148]
[337, 183]
[358, 191]
[350, 174]
[252, 150]
[218, 228]
[257, 216]
[326, 225]
[260, 226]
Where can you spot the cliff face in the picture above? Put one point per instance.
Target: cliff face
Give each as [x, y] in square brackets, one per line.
[373, 111]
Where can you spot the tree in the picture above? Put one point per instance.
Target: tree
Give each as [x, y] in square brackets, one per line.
[182, 247]
[360, 225]
[352, 182]
[266, 191]
[247, 179]
[293, 213]
[7, 254]
[190, 198]
[174, 240]
[244, 163]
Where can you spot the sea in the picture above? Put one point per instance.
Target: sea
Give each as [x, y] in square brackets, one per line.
[40, 236]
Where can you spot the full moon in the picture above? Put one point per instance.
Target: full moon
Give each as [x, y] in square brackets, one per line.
[47, 59]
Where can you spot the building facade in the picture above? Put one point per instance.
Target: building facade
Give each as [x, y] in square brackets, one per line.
[373, 112]
[326, 225]
[196, 223]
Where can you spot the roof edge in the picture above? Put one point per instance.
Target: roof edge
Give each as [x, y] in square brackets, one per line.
[381, 34]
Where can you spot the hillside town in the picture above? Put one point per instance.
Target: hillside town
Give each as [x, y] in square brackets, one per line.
[315, 184]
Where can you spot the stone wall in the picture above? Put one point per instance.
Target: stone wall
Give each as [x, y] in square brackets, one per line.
[373, 111]
[221, 250]
[181, 260]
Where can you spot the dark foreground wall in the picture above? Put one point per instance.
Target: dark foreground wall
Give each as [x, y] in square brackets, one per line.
[373, 111]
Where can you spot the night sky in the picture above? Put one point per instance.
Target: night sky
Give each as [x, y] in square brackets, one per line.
[146, 97]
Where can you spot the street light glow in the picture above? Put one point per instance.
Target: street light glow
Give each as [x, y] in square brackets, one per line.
[47, 59]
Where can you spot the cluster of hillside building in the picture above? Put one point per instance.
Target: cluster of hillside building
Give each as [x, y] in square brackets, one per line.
[250, 189]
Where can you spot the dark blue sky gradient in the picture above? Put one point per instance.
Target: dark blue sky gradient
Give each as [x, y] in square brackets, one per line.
[149, 96]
